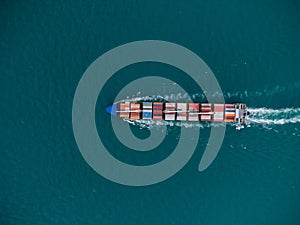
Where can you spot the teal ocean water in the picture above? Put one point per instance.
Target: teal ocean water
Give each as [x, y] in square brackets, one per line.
[253, 49]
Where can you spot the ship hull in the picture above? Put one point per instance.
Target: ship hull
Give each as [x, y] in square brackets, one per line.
[172, 111]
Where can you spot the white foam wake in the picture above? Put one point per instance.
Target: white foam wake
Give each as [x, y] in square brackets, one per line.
[150, 124]
[274, 116]
[264, 116]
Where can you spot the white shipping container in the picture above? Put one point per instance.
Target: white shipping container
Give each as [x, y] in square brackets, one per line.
[170, 116]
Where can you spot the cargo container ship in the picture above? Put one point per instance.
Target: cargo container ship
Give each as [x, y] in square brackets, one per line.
[201, 112]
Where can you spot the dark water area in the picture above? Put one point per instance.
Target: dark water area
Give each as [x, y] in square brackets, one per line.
[253, 48]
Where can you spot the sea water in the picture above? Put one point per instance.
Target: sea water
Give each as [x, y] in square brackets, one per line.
[253, 49]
